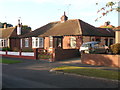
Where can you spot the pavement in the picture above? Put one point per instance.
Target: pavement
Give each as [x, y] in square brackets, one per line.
[35, 74]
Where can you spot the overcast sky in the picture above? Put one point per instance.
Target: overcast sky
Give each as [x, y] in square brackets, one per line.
[36, 13]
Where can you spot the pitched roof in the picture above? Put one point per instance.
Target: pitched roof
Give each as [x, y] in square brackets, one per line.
[106, 32]
[6, 33]
[69, 27]
[40, 30]
[76, 27]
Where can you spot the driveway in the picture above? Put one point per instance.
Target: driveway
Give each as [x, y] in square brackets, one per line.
[35, 74]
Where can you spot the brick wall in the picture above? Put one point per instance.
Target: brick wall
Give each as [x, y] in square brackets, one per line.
[66, 42]
[61, 54]
[23, 44]
[46, 43]
[15, 44]
[101, 59]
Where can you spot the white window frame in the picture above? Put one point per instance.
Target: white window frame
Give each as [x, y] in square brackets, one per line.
[26, 42]
[50, 41]
[37, 42]
[73, 42]
[3, 43]
[21, 43]
[41, 42]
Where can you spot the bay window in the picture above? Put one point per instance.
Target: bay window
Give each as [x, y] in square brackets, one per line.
[73, 42]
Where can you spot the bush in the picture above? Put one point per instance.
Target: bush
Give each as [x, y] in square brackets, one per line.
[6, 48]
[27, 50]
[115, 48]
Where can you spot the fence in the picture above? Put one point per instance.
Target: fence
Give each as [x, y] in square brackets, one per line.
[50, 54]
[20, 54]
[37, 54]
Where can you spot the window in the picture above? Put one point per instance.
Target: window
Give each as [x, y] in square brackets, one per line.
[37, 42]
[106, 42]
[73, 42]
[98, 39]
[59, 42]
[93, 39]
[41, 41]
[3, 43]
[26, 42]
[21, 43]
[111, 41]
[51, 41]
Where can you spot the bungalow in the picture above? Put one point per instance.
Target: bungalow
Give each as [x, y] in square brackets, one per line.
[10, 36]
[66, 36]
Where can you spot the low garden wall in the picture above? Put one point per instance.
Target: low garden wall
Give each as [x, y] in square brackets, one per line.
[61, 54]
[25, 55]
[101, 59]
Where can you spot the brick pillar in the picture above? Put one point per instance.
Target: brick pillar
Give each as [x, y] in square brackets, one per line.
[35, 53]
[52, 59]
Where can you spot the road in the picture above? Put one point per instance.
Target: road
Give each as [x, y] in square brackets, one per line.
[35, 74]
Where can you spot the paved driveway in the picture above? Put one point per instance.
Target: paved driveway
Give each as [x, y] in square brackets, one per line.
[35, 74]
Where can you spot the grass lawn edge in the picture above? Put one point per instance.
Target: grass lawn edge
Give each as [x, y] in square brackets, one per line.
[85, 75]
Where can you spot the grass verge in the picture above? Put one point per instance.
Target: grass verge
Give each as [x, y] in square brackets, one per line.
[8, 61]
[87, 71]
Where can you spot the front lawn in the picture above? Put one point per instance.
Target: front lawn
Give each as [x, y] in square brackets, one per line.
[87, 71]
[8, 61]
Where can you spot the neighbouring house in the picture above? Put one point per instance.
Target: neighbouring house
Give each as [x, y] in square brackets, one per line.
[107, 25]
[66, 37]
[10, 36]
[117, 34]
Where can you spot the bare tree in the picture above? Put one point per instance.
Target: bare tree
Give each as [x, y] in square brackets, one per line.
[109, 7]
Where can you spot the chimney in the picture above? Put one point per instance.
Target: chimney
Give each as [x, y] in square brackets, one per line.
[64, 18]
[19, 28]
[107, 23]
[5, 25]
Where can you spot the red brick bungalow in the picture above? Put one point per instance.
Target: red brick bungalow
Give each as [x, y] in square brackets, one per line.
[65, 37]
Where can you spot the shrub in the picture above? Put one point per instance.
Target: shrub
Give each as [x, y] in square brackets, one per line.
[27, 50]
[115, 48]
[6, 48]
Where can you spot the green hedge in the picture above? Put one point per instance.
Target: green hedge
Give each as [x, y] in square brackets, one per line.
[6, 48]
[115, 48]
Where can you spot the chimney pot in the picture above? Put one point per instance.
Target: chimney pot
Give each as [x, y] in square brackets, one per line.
[5, 26]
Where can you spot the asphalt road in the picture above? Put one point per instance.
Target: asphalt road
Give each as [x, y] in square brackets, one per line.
[35, 74]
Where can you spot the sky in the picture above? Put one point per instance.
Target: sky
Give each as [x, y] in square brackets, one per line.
[36, 13]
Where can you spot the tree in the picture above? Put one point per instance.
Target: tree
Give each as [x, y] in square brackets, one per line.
[25, 29]
[109, 7]
[2, 25]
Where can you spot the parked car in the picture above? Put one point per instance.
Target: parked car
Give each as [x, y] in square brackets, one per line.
[94, 47]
